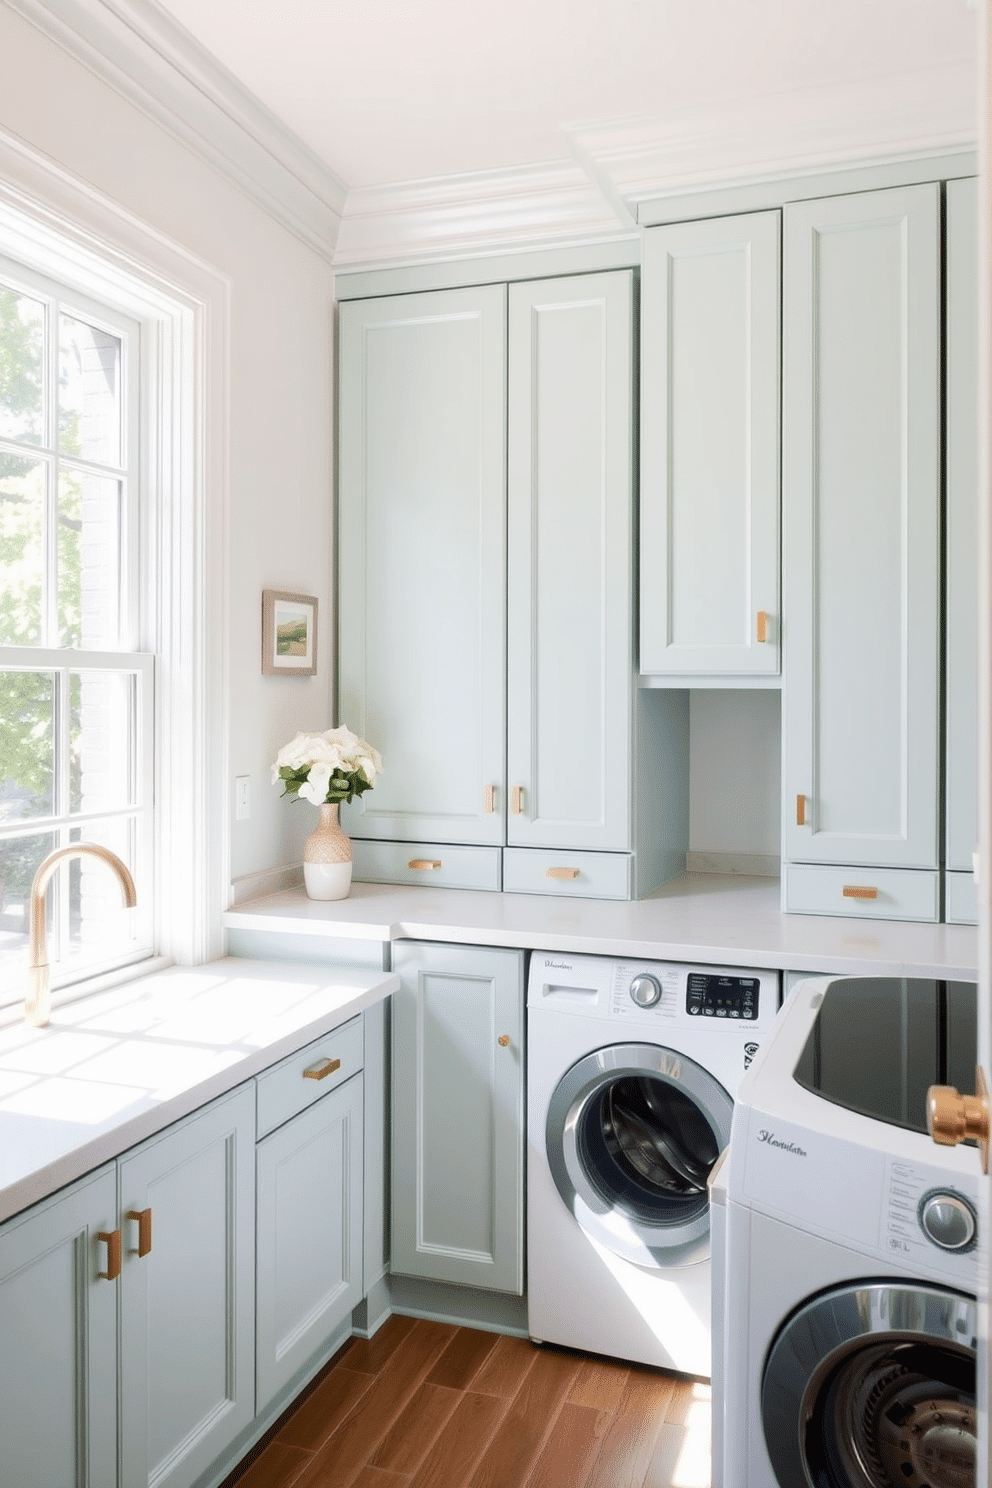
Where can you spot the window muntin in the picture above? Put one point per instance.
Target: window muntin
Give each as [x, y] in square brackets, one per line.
[76, 694]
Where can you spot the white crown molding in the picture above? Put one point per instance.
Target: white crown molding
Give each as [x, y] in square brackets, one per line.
[135, 47]
[874, 122]
[493, 211]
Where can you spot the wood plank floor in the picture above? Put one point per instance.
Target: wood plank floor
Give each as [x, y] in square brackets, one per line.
[427, 1405]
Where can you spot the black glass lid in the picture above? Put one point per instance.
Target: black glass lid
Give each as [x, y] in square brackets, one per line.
[879, 1043]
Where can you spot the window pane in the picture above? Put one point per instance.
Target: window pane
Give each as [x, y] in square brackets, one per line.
[100, 928]
[22, 565]
[89, 392]
[19, 857]
[101, 747]
[27, 745]
[89, 560]
[22, 361]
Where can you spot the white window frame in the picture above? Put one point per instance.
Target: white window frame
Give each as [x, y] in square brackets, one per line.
[70, 233]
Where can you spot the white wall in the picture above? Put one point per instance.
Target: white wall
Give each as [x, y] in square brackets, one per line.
[281, 528]
[734, 771]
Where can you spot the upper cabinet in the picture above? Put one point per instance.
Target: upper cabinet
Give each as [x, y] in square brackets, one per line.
[862, 296]
[422, 606]
[709, 519]
[486, 594]
[961, 362]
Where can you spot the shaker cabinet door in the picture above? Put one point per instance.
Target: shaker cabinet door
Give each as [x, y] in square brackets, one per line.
[709, 491]
[58, 1341]
[862, 528]
[458, 1082]
[569, 556]
[422, 605]
[187, 1302]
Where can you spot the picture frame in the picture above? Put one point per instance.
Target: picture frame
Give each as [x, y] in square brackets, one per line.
[289, 634]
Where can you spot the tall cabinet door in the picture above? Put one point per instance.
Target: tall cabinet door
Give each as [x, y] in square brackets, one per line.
[569, 547]
[58, 1342]
[862, 528]
[458, 1083]
[187, 1302]
[709, 526]
[422, 390]
[962, 563]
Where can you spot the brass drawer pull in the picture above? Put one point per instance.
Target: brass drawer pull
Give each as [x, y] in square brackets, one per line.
[143, 1219]
[562, 873]
[489, 800]
[424, 863]
[856, 891]
[760, 626]
[112, 1240]
[517, 800]
[322, 1070]
[800, 811]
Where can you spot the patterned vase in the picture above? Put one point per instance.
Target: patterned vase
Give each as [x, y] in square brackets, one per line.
[327, 857]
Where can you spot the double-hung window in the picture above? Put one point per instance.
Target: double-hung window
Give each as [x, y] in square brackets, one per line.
[76, 684]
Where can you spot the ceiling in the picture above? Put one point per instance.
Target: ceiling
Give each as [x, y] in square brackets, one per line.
[396, 91]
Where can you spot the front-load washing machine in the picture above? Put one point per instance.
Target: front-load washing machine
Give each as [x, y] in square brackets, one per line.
[847, 1248]
[632, 1071]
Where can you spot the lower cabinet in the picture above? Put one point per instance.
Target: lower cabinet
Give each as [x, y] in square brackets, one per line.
[58, 1341]
[187, 1314]
[458, 1115]
[309, 1187]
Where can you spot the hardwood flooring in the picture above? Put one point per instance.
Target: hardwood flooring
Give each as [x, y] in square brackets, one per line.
[427, 1405]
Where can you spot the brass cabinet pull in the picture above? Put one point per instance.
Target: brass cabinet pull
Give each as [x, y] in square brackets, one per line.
[424, 863]
[857, 891]
[517, 800]
[800, 811]
[143, 1219]
[489, 800]
[112, 1240]
[760, 624]
[562, 873]
[322, 1070]
[503, 1040]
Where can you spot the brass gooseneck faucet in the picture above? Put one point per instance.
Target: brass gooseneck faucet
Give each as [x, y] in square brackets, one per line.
[38, 1002]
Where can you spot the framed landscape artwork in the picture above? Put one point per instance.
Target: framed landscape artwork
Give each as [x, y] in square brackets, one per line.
[289, 634]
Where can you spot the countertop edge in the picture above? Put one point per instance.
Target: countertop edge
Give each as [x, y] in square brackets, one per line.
[106, 1146]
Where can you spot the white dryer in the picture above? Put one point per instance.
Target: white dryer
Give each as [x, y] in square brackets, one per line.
[847, 1248]
[632, 1071]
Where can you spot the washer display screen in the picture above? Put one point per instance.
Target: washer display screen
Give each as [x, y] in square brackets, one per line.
[721, 996]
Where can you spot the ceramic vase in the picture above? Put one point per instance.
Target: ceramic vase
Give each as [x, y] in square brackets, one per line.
[327, 857]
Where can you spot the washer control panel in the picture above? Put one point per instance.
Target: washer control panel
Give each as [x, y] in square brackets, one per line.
[721, 996]
[948, 1219]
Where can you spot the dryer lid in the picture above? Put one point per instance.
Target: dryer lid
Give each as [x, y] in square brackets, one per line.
[879, 1043]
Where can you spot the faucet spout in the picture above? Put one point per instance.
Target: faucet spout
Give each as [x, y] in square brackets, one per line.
[38, 1002]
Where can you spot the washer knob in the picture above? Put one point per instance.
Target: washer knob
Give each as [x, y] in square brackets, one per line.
[947, 1220]
[645, 990]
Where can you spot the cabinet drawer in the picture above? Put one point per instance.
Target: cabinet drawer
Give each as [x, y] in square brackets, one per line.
[441, 865]
[867, 893]
[300, 1080]
[961, 899]
[529, 870]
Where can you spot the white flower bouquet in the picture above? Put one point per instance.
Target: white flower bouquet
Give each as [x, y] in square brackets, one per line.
[333, 766]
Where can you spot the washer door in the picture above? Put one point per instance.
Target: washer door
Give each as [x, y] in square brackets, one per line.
[632, 1133]
[872, 1385]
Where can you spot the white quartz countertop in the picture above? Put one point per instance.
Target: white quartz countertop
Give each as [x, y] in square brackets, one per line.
[114, 1068]
[729, 920]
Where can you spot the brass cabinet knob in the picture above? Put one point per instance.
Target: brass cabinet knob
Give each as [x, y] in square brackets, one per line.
[954, 1118]
[503, 1040]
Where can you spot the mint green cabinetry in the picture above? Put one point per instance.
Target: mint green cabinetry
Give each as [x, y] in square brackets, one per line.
[458, 1115]
[861, 763]
[709, 496]
[961, 361]
[58, 1341]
